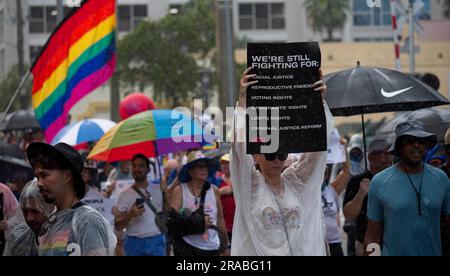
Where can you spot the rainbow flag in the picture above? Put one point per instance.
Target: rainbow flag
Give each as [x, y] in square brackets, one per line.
[78, 57]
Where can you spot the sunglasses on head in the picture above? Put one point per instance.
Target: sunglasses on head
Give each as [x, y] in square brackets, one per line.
[272, 156]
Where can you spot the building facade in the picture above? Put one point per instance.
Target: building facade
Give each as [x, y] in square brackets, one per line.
[40, 20]
[253, 20]
[8, 36]
[287, 20]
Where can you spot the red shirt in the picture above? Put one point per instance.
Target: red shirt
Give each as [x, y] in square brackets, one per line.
[228, 207]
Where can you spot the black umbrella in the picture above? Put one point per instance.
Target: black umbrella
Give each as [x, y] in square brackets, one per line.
[12, 160]
[435, 120]
[19, 120]
[363, 90]
[13, 154]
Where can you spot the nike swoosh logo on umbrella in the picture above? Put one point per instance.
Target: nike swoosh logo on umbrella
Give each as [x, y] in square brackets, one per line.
[394, 93]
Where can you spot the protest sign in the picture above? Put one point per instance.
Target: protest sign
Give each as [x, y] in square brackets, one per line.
[336, 151]
[282, 108]
[103, 206]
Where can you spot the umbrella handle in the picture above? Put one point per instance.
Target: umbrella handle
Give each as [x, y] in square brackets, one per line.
[364, 138]
[158, 164]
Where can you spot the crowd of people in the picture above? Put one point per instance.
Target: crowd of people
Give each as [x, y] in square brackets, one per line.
[273, 204]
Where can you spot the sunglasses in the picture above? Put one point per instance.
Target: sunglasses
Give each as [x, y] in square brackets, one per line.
[410, 140]
[272, 156]
[201, 166]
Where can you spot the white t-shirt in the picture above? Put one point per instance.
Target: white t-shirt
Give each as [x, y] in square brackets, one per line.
[92, 194]
[210, 239]
[258, 223]
[330, 211]
[143, 226]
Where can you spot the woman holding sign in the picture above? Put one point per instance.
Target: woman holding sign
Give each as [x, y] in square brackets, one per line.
[278, 213]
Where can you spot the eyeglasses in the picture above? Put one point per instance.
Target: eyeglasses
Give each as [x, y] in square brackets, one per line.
[272, 156]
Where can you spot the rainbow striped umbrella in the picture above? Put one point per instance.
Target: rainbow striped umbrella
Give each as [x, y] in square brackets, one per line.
[152, 133]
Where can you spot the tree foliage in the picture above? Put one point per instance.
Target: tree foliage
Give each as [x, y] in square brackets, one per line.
[9, 85]
[164, 53]
[327, 15]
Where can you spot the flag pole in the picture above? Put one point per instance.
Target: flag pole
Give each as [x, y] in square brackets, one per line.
[22, 82]
[398, 65]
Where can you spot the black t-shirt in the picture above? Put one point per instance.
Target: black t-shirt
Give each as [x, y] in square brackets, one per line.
[444, 168]
[350, 193]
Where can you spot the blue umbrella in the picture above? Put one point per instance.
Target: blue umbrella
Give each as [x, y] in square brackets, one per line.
[89, 130]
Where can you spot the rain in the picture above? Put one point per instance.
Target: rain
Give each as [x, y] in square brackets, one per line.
[224, 128]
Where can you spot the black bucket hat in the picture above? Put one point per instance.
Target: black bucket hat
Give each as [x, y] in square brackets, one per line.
[66, 154]
[412, 128]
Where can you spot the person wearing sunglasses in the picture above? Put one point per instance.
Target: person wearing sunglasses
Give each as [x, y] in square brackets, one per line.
[406, 200]
[278, 210]
[195, 198]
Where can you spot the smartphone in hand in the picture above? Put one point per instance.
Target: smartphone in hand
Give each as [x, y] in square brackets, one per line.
[139, 202]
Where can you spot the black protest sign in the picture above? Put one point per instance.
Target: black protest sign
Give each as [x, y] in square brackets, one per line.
[283, 104]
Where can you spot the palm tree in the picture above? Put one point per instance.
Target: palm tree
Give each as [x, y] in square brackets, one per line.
[447, 8]
[327, 15]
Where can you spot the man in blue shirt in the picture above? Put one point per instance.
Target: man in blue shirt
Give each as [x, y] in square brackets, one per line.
[406, 200]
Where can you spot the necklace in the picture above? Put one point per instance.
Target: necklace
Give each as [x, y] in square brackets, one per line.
[196, 198]
[196, 201]
[418, 192]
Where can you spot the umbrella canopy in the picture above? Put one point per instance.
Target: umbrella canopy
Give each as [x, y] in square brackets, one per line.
[363, 90]
[435, 120]
[11, 150]
[13, 154]
[19, 120]
[217, 153]
[151, 133]
[89, 130]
